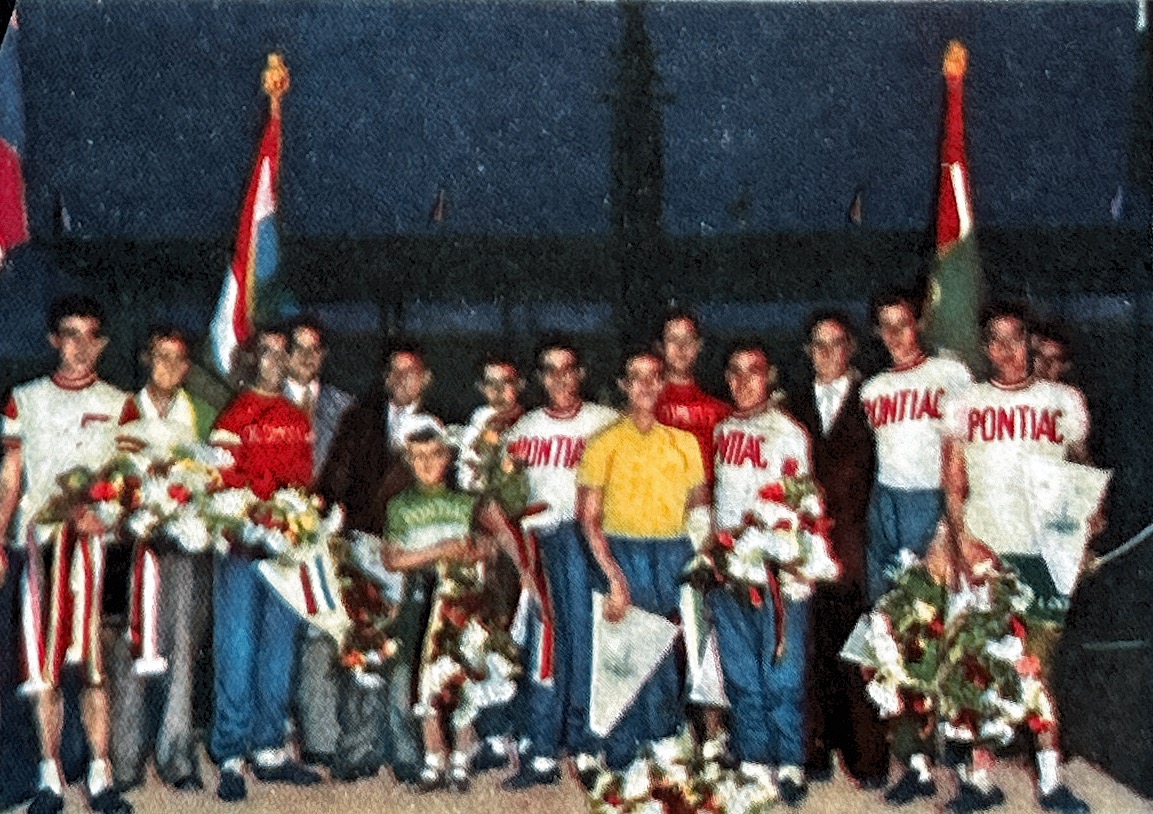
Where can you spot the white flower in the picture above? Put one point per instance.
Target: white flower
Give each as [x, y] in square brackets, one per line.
[880, 638]
[141, 522]
[635, 785]
[154, 493]
[187, 527]
[231, 502]
[216, 457]
[108, 512]
[886, 698]
[906, 559]
[472, 641]
[785, 547]
[1022, 600]
[332, 523]
[1007, 648]
[651, 807]
[293, 501]
[924, 611]
[997, 730]
[819, 566]
[811, 504]
[666, 752]
[794, 589]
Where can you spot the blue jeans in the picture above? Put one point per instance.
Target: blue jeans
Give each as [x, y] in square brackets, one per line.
[254, 646]
[767, 697]
[898, 518]
[652, 568]
[557, 715]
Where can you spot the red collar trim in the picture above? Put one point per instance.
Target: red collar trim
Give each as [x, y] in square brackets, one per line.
[564, 416]
[73, 384]
[920, 360]
[753, 411]
[1021, 385]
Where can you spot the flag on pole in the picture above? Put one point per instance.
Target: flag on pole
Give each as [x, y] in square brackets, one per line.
[956, 284]
[255, 258]
[13, 211]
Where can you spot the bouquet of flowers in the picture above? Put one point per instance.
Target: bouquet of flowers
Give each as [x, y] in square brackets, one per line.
[955, 659]
[107, 493]
[368, 645]
[671, 777]
[783, 537]
[291, 526]
[496, 473]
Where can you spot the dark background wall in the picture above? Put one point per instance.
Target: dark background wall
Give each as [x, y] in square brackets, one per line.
[600, 161]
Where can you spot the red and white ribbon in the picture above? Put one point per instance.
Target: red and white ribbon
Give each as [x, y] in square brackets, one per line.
[144, 613]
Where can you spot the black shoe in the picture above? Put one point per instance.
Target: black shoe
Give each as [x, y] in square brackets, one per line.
[46, 801]
[487, 758]
[971, 799]
[430, 779]
[406, 775]
[872, 782]
[458, 780]
[232, 788]
[822, 775]
[310, 758]
[909, 788]
[289, 772]
[352, 772]
[1062, 800]
[189, 782]
[109, 801]
[527, 777]
[792, 792]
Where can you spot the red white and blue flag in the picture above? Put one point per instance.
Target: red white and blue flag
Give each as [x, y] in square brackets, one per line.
[13, 211]
[255, 259]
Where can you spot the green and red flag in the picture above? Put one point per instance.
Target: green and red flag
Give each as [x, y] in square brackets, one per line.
[956, 283]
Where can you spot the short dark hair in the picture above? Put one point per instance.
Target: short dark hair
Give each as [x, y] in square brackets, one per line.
[1003, 310]
[748, 345]
[74, 305]
[678, 314]
[892, 297]
[397, 347]
[557, 342]
[1052, 332]
[163, 331]
[638, 352]
[836, 315]
[306, 322]
[497, 359]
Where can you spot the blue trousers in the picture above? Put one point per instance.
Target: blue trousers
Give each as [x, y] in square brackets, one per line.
[768, 699]
[557, 716]
[898, 518]
[652, 568]
[254, 645]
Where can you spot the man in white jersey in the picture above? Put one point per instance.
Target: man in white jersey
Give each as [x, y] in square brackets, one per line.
[764, 679]
[549, 442]
[52, 425]
[168, 619]
[905, 406]
[501, 384]
[992, 429]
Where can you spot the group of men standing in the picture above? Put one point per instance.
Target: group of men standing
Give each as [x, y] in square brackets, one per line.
[620, 502]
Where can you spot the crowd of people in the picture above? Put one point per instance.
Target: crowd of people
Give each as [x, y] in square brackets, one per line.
[618, 503]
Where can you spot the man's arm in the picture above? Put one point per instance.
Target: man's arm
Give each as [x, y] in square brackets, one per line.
[590, 514]
[10, 471]
[396, 558]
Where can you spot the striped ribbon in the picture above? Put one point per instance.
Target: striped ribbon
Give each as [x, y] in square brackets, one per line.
[314, 584]
[144, 613]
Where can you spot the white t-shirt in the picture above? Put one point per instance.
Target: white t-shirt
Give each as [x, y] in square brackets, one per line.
[58, 429]
[750, 454]
[905, 408]
[551, 449]
[999, 427]
[161, 434]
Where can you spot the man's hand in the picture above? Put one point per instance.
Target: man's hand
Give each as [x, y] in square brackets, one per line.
[618, 600]
[88, 523]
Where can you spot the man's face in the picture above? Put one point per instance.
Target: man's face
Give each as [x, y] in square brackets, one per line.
[748, 375]
[830, 350]
[271, 355]
[561, 377]
[643, 382]
[429, 461]
[305, 355]
[406, 379]
[1007, 347]
[80, 341]
[168, 362]
[1050, 361]
[897, 326]
[501, 386]
[680, 345]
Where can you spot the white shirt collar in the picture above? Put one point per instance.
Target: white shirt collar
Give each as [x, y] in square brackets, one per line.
[295, 391]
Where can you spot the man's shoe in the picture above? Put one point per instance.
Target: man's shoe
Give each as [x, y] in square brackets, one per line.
[310, 758]
[458, 779]
[189, 782]
[487, 758]
[1064, 801]
[289, 772]
[349, 773]
[872, 782]
[909, 788]
[430, 779]
[46, 801]
[821, 775]
[971, 799]
[588, 769]
[528, 777]
[232, 788]
[792, 793]
[109, 801]
[406, 774]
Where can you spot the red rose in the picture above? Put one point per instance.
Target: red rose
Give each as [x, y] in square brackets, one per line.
[936, 627]
[784, 524]
[725, 540]
[774, 492]
[102, 490]
[1038, 724]
[1017, 627]
[180, 493]
[789, 467]
[966, 719]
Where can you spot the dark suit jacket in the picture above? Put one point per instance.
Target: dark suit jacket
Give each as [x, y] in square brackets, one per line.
[331, 405]
[362, 472]
[843, 464]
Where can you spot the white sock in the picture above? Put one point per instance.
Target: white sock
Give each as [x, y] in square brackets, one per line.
[758, 772]
[97, 777]
[1047, 780]
[542, 764]
[792, 773]
[497, 745]
[268, 758]
[459, 759]
[920, 764]
[233, 764]
[434, 760]
[50, 777]
[980, 779]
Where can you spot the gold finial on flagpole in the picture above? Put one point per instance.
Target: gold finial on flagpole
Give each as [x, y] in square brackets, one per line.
[956, 60]
[275, 80]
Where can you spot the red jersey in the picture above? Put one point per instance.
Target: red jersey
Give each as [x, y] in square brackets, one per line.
[271, 439]
[687, 407]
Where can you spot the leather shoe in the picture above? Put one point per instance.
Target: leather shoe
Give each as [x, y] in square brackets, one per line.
[289, 772]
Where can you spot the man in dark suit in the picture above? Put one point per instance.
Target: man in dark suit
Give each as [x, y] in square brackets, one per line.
[840, 715]
[364, 469]
[317, 689]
